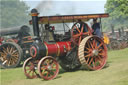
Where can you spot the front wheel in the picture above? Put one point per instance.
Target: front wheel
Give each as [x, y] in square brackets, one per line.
[48, 68]
[30, 67]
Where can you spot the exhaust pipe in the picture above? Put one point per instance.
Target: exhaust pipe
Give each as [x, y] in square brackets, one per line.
[34, 14]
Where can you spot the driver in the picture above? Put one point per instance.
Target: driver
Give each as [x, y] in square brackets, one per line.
[96, 28]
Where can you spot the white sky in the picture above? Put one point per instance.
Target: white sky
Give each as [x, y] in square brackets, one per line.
[64, 0]
[64, 7]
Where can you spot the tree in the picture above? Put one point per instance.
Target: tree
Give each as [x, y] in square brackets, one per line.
[13, 13]
[118, 11]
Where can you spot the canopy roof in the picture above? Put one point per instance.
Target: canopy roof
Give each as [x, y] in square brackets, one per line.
[68, 18]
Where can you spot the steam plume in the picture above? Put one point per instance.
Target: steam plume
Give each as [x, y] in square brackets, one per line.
[44, 6]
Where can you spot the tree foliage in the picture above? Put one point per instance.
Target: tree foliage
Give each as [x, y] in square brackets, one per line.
[118, 11]
[13, 13]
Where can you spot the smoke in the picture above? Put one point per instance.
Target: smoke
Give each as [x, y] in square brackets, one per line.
[44, 6]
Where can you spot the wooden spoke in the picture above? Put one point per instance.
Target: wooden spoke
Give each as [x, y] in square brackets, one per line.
[82, 28]
[90, 61]
[11, 50]
[87, 60]
[77, 29]
[80, 39]
[99, 45]
[88, 44]
[86, 33]
[86, 52]
[89, 49]
[99, 60]
[76, 35]
[94, 43]
[88, 55]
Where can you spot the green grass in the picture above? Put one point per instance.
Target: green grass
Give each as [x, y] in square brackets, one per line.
[115, 74]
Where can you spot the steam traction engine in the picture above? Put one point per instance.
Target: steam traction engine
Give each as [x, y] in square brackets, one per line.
[75, 49]
[14, 46]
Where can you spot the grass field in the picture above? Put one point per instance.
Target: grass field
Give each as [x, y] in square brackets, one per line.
[115, 74]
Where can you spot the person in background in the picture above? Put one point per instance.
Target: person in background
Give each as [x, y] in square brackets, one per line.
[96, 28]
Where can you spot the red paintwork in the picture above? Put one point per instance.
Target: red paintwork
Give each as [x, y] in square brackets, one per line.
[58, 49]
[35, 51]
[12, 40]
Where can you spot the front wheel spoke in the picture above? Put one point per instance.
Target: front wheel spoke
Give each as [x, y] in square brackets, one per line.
[33, 73]
[43, 68]
[47, 74]
[29, 71]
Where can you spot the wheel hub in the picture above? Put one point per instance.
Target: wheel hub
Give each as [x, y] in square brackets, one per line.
[95, 52]
[49, 68]
[8, 56]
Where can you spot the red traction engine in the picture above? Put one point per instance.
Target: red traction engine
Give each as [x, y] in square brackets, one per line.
[80, 49]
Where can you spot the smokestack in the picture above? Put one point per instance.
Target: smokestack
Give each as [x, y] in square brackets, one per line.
[34, 14]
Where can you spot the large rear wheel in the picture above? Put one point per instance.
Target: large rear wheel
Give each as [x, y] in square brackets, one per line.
[92, 53]
[79, 31]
